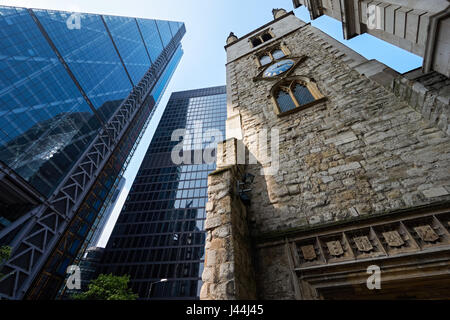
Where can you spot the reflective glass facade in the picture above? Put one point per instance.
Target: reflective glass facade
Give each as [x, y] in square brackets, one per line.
[107, 213]
[81, 230]
[44, 120]
[160, 231]
[99, 71]
[60, 84]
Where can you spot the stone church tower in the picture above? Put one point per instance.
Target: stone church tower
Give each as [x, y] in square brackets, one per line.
[334, 180]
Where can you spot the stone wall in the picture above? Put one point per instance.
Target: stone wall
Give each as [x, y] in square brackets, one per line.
[228, 272]
[428, 94]
[273, 276]
[364, 151]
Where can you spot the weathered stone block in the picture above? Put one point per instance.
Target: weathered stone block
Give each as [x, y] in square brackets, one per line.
[343, 168]
[435, 192]
[208, 274]
[342, 138]
[212, 223]
[222, 232]
[293, 189]
[226, 271]
[209, 206]
[211, 258]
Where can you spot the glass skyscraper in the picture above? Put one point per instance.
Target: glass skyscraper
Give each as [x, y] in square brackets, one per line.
[103, 219]
[160, 232]
[76, 93]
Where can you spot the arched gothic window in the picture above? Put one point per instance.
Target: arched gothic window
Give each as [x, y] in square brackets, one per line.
[294, 94]
[256, 42]
[271, 55]
[277, 54]
[266, 36]
[265, 59]
[261, 38]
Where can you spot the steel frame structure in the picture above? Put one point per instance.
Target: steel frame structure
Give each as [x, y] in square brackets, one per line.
[37, 232]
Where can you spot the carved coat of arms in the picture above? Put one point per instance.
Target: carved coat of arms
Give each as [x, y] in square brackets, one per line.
[363, 244]
[426, 233]
[393, 238]
[335, 248]
[309, 253]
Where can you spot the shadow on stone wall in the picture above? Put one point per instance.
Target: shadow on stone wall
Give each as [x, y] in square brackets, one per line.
[234, 267]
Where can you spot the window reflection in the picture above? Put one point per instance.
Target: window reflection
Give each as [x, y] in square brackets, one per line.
[265, 60]
[285, 101]
[302, 94]
[44, 121]
[278, 54]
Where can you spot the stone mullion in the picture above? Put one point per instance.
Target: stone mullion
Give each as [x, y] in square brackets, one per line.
[291, 94]
[295, 281]
[440, 224]
[378, 240]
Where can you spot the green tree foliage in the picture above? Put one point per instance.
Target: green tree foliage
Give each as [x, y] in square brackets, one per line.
[5, 253]
[108, 287]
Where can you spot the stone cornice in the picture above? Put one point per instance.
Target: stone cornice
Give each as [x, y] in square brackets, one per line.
[279, 236]
[259, 29]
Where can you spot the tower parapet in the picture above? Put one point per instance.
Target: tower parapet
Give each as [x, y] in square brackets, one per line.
[278, 13]
[231, 38]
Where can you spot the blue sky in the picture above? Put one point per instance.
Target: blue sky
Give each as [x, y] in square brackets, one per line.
[208, 23]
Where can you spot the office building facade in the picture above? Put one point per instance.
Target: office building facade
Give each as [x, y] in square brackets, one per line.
[76, 92]
[160, 232]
